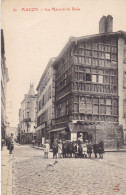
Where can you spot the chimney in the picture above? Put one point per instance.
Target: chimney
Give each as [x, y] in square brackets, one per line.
[109, 22]
[102, 25]
[106, 24]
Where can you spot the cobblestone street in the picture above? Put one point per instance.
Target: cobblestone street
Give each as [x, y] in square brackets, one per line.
[70, 176]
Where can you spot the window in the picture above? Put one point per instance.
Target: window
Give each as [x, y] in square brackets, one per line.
[114, 110]
[102, 100]
[102, 109]
[100, 79]
[88, 100]
[101, 55]
[95, 101]
[88, 53]
[95, 109]
[107, 63]
[114, 56]
[107, 56]
[101, 62]
[94, 53]
[88, 61]
[108, 102]
[107, 48]
[75, 60]
[107, 89]
[88, 70]
[94, 46]
[115, 102]
[76, 107]
[101, 47]
[81, 77]
[108, 110]
[100, 71]
[81, 60]
[94, 88]
[113, 80]
[89, 108]
[88, 45]
[81, 51]
[88, 77]
[114, 49]
[106, 79]
[94, 70]
[94, 61]
[94, 78]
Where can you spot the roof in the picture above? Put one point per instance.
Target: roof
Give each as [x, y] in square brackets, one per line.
[31, 90]
[74, 40]
[50, 63]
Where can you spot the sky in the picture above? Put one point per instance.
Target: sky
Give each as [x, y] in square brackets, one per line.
[33, 37]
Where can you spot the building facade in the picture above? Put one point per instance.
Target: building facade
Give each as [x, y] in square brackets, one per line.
[45, 103]
[90, 96]
[4, 80]
[27, 117]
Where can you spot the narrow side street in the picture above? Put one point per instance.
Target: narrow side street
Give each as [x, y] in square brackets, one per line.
[70, 176]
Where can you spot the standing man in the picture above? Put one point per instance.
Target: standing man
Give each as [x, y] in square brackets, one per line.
[101, 149]
[118, 144]
[11, 143]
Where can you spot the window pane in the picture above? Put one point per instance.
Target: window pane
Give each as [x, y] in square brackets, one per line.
[107, 63]
[108, 110]
[107, 56]
[88, 77]
[102, 101]
[101, 55]
[95, 109]
[102, 109]
[88, 61]
[75, 59]
[94, 78]
[89, 108]
[108, 102]
[101, 62]
[95, 101]
[88, 70]
[114, 110]
[100, 79]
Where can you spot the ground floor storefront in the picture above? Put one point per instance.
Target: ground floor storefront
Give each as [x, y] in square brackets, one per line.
[109, 133]
[27, 138]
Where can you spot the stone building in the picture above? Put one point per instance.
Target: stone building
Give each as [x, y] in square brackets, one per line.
[4, 80]
[90, 84]
[45, 103]
[27, 117]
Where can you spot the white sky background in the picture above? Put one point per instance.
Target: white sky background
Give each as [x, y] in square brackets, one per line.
[32, 38]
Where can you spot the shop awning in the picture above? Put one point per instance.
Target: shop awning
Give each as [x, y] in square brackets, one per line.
[59, 129]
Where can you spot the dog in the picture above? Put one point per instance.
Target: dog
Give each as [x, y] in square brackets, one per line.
[51, 164]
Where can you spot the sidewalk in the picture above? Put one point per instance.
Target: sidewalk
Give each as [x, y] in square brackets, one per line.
[6, 172]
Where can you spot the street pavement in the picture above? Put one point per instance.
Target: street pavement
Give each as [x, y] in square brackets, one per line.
[70, 176]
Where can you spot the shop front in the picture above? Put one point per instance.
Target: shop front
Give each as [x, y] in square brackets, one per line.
[83, 132]
[59, 134]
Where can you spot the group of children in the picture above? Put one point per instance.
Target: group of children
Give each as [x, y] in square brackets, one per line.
[74, 149]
